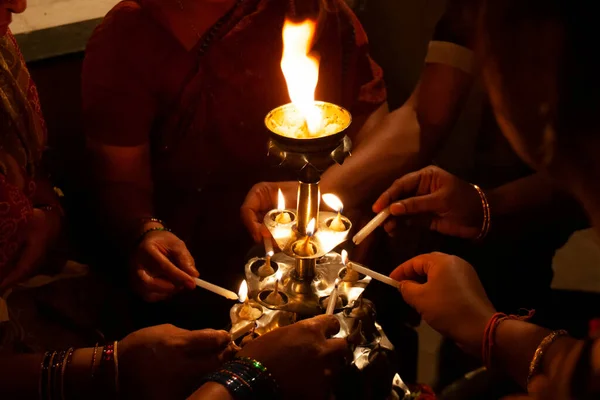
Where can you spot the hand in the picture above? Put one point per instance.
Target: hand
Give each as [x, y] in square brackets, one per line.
[165, 362]
[454, 205]
[451, 299]
[261, 199]
[540, 388]
[301, 350]
[43, 231]
[161, 266]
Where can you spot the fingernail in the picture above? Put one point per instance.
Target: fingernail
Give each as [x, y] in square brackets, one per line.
[397, 208]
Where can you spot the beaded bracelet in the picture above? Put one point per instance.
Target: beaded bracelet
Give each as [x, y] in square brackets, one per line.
[147, 231]
[489, 334]
[152, 219]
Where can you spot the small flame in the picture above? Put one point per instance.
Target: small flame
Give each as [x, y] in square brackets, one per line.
[344, 257]
[280, 201]
[310, 228]
[270, 253]
[301, 71]
[243, 292]
[333, 202]
[278, 275]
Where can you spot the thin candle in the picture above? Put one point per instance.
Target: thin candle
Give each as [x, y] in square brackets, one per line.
[274, 297]
[375, 275]
[371, 226]
[228, 294]
[268, 245]
[247, 327]
[351, 275]
[333, 298]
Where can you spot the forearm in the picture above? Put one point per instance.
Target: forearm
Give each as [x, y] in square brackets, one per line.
[211, 390]
[515, 346]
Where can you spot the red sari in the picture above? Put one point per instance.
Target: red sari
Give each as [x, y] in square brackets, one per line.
[202, 107]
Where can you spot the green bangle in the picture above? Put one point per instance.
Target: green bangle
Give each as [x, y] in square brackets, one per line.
[147, 231]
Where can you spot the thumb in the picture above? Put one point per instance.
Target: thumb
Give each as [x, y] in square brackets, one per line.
[207, 341]
[184, 260]
[411, 291]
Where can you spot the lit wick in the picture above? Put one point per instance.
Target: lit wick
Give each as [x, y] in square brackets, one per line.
[274, 298]
[351, 275]
[247, 312]
[306, 249]
[337, 224]
[282, 216]
[266, 269]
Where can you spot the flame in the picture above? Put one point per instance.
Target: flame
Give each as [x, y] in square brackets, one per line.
[310, 228]
[270, 253]
[280, 201]
[243, 292]
[333, 202]
[344, 257]
[278, 275]
[301, 71]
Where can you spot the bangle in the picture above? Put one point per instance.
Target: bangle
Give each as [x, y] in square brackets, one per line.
[93, 366]
[536, 363]
[245, 378]
[116, 359]
[43, 383]
[485, 227]
[147, 231]
[66, 362]
[489, 334]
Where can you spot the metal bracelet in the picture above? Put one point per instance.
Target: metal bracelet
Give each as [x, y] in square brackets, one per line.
[538, 356]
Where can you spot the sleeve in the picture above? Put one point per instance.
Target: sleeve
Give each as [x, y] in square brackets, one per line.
[119, 102]
[368, 86]
[454, 36]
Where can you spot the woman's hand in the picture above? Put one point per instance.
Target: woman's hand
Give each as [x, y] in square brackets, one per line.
[165, 362]
[301, 350]
[43, 231]
[161, 266]
[447, 293]
[453, 205]
[261, 199]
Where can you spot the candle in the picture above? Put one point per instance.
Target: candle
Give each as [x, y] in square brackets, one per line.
[247, 312]
[266, 269]
[228, 294]
[274, 297]
[375, 275]
[244, 328]
[370, 226]
[336, 204]
[351, 275]
[306, 248]
[333, 298]
[282, 216]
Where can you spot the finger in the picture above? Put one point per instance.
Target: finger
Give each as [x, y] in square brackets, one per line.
[416, 268]
[171, 272]
[328, 325]
[208, 340]
[390, 225]
[430, 203]
[184, 260]
[154, 284]
[250, 220]
[408, 184]
[154, 297]
[25, 265]
[411, 292]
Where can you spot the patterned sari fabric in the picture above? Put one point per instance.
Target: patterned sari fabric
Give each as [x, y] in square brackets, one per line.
[22, 137]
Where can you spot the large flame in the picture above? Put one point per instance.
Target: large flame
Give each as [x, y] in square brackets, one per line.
[310, 228]
[301, 71]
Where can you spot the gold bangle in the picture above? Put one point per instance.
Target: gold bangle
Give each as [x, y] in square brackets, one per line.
[485, 226]
[538, 356]
[116, 360]
[93, 366]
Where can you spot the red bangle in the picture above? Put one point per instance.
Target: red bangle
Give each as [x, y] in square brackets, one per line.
[489, 334]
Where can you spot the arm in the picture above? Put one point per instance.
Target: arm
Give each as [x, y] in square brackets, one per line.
[406, 138]
[211, 390]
